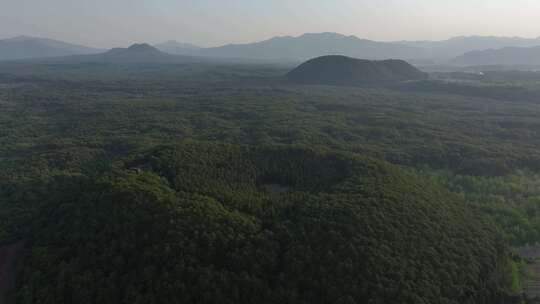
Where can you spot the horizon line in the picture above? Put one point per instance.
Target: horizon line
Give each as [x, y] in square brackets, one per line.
[270, 38]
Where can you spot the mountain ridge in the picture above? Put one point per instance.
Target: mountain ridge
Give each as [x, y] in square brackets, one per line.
[309, 45]
[292, 49]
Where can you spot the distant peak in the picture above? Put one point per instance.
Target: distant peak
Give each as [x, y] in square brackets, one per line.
[142, 47]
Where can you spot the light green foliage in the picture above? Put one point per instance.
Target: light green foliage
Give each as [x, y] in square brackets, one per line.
[512, 201]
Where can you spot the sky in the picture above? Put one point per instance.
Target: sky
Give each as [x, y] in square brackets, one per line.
[115, 23]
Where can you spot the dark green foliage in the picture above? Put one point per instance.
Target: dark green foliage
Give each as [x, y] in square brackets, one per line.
[209, 231]
[271, 220]
[341, 70]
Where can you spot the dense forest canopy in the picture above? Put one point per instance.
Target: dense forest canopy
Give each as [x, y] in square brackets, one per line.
[199, 183]
[206, 223]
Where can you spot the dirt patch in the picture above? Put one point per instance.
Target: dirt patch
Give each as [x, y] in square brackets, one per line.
[531, 252]
[532, 286]
[532, 281]
[8, 256]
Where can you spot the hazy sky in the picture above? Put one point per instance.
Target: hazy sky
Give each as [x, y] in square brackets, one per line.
[108, 23]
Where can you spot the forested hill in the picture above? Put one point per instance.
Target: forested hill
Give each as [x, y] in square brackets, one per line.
[341, 70]
[218, 223]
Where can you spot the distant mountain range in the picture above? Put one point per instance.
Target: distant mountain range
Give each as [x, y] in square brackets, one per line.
[341, 70]
[308, 46]
[24, 47]
[312, 45]
[506, 56]
[286, 49]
